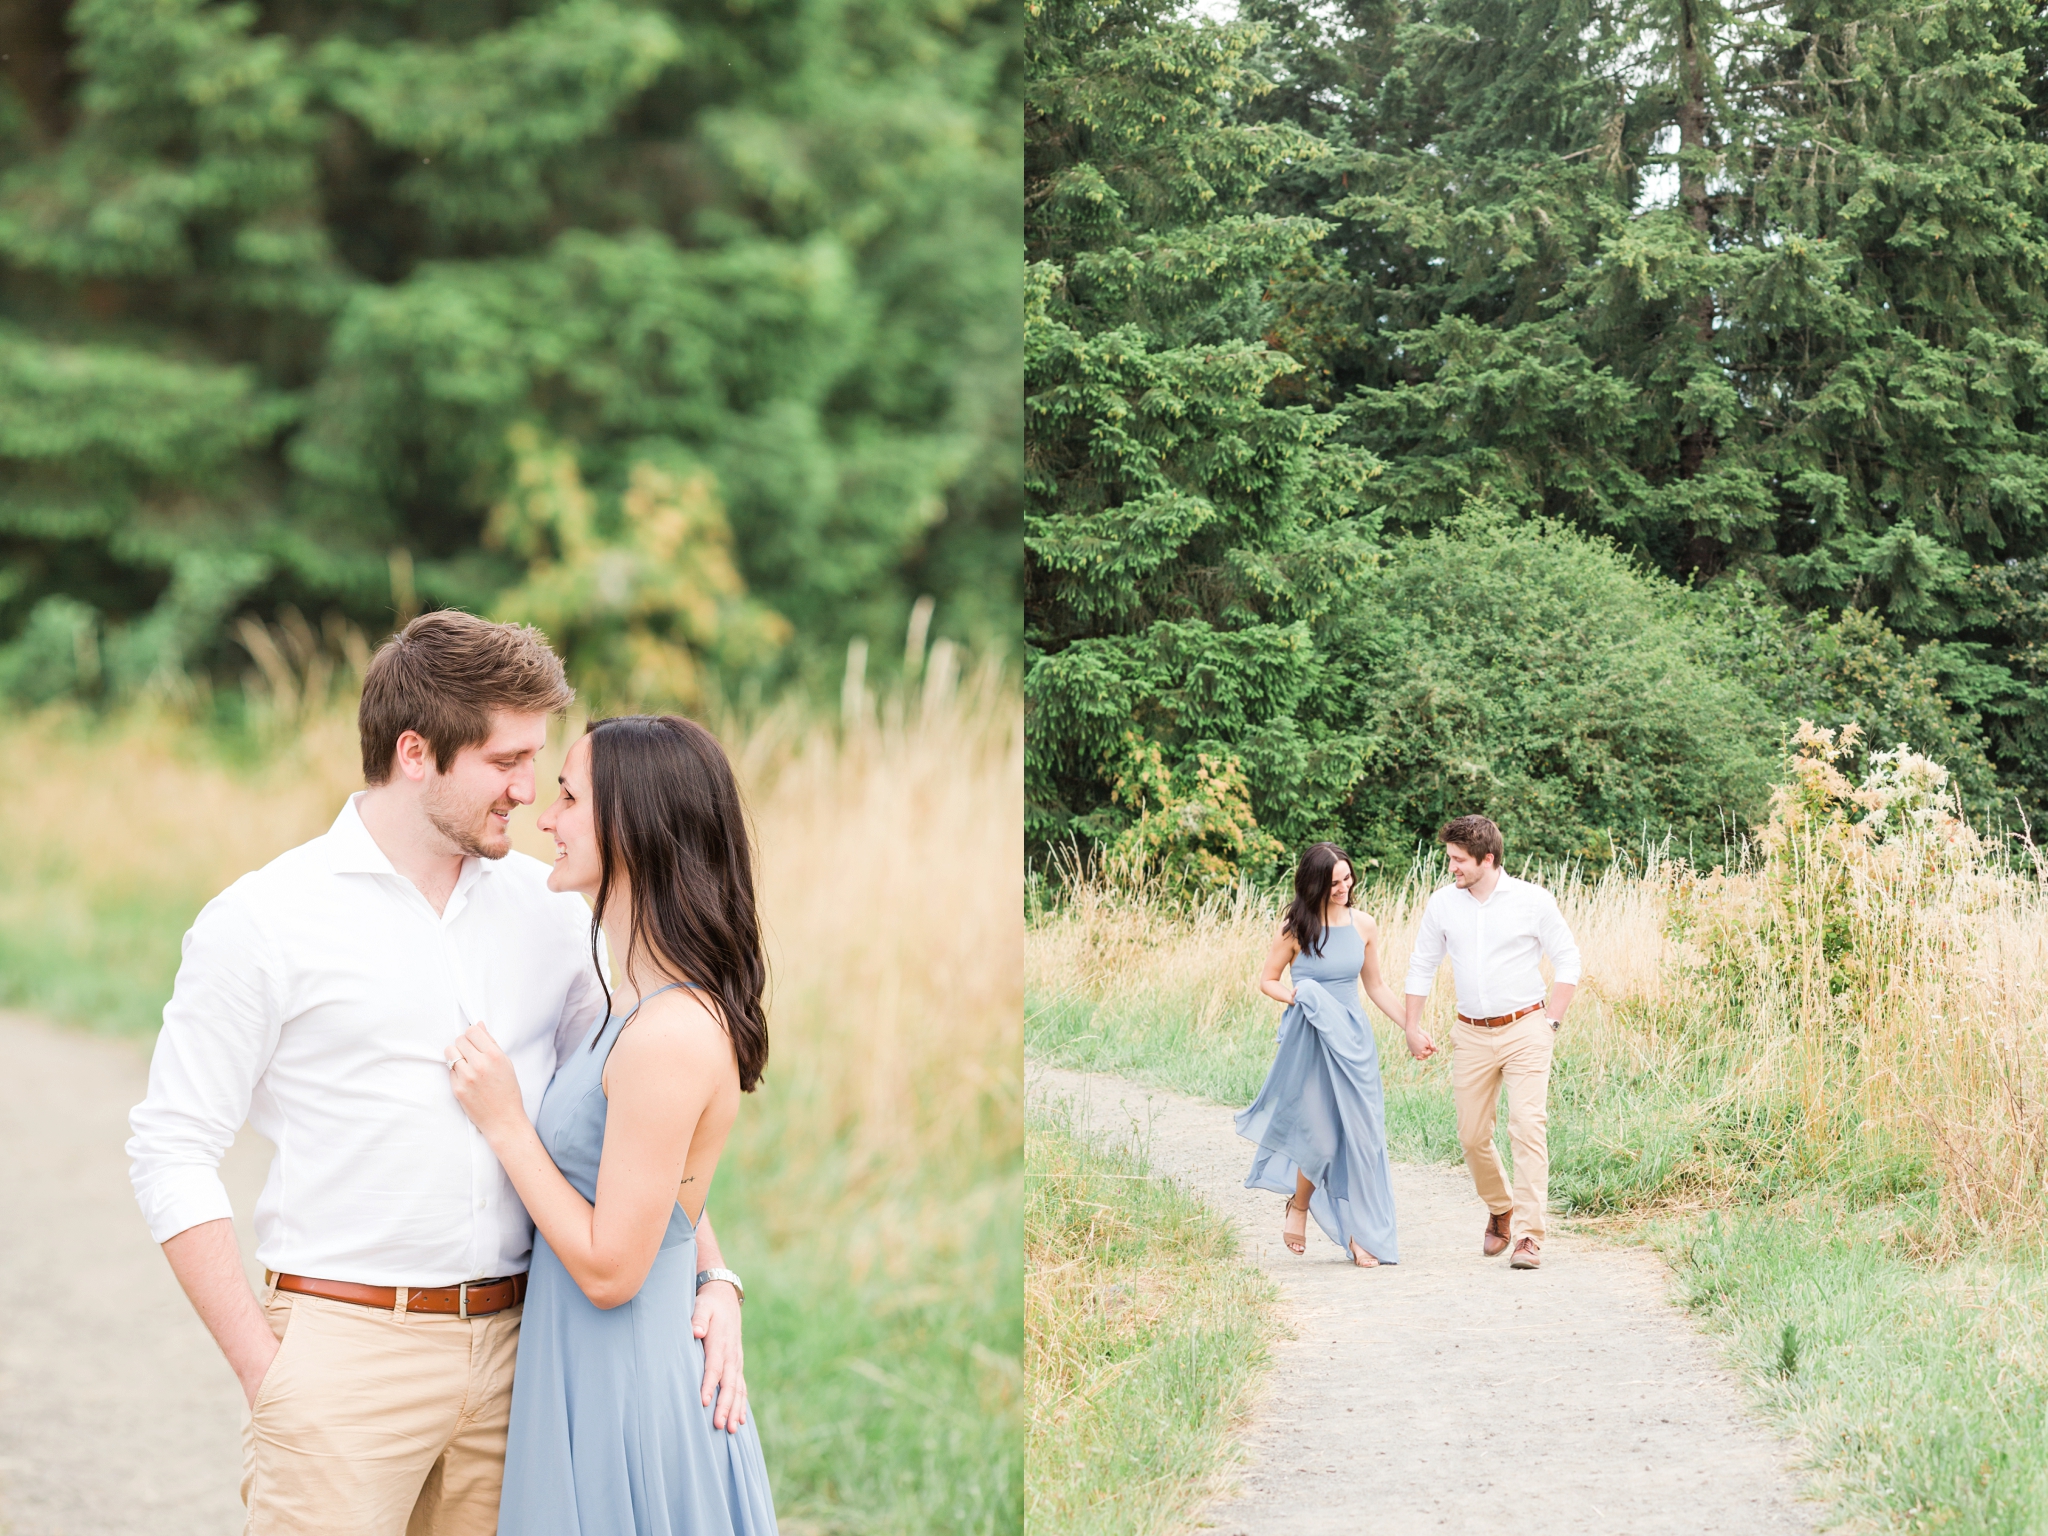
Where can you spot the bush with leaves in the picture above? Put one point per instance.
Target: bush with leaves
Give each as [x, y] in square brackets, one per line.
[1188, 834]
[642, 598]
[1523, 671]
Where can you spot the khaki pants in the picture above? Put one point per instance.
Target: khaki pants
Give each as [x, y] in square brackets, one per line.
[376, 1423]
[1481, 1060]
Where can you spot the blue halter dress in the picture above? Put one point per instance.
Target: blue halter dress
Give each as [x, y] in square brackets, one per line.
[1320, 1110]
[609, 1436]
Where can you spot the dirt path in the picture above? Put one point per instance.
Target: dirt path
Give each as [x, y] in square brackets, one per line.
[117, 1415]
[1450, 1393]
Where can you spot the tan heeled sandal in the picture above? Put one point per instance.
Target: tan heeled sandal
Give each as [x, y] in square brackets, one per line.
[1292, 1242]
[1361, 1258]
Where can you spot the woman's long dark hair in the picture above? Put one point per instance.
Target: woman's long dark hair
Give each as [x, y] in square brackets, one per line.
[1312, 879]
[671, 826]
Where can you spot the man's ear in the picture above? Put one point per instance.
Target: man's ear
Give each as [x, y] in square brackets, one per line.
[412, 757]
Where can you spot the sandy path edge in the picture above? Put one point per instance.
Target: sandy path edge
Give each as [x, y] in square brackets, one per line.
[1451, 1393]
[118, 1417]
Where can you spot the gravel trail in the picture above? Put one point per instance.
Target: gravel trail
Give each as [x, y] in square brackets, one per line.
[1450, 1393]
[118, 1416]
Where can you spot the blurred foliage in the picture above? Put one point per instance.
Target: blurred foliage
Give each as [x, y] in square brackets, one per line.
[631, 610]
[284, 288]
[1747, 295]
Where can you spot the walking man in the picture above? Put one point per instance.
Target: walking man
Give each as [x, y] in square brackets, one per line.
[1495, 929]
[315, 1000]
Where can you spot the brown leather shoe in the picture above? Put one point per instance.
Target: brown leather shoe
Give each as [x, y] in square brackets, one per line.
[1494, 1240]
[1527, 1255]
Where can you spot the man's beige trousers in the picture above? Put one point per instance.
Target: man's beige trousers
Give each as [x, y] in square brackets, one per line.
[376, 1423]
[1481, 1060]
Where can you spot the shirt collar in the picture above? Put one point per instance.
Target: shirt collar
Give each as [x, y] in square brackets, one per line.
[1500, 887]
[350, 848]
[352, 851]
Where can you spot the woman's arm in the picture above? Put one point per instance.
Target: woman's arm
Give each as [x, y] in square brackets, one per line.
[1278, 958]
[1420, 1046]
[669, 1062]
[716, 1320]
[1376, 988]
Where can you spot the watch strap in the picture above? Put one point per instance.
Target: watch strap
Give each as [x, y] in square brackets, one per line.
[706, 1276]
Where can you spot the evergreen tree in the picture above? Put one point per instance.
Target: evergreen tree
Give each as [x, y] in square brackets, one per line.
[1745, 289]
[282, 285]
[1181, 531]
[1753, 292]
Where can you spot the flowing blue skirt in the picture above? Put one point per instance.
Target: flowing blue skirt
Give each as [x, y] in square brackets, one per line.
[1321, 1112]
[609, 1434]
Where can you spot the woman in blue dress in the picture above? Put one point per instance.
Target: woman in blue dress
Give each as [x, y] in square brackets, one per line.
[1320, 1120]
[610, 1434]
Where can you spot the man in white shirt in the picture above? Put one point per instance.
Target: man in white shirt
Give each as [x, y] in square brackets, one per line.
[315, 1000]
[1496, 929]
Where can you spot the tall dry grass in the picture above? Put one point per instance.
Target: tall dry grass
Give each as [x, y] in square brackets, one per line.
[891, 875]
[872, 1191]
[1860, 1001]
[1889, 970]
[1120, 977]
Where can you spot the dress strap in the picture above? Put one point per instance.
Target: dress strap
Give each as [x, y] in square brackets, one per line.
[703, 1210]
[656, 993]
[641, 1004]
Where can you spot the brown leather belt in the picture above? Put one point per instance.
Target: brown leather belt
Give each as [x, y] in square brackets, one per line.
[1500, 1019]
[473, 1298]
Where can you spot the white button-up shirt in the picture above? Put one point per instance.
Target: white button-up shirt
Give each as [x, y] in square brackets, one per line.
[1494, 946]
[314, 1000]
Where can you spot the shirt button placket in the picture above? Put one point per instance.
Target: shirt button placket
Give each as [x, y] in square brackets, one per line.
[481, 1163]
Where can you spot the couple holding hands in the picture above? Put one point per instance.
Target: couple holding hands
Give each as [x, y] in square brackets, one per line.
[490, 1153]
[1320, 1120]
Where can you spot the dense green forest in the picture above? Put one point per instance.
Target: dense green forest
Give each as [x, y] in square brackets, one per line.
[686, 328]
[1531, 406]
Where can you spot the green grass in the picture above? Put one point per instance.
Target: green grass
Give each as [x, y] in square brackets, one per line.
[103, 962]
[1920, 1391]
[1147, 1334]
[1622, 1138]
[888, 1404]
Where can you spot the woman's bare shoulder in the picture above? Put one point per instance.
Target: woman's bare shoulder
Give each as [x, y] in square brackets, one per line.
[679, 1028]
[1362, 921]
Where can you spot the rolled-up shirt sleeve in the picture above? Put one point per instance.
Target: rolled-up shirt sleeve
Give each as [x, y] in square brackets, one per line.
[1428, 953]
[1558, 943]
[220, 1028]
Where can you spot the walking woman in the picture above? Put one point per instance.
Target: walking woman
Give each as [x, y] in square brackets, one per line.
[1319, 1120]
[609, 1433]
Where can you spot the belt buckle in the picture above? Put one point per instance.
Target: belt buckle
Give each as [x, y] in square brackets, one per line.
[462, 1301]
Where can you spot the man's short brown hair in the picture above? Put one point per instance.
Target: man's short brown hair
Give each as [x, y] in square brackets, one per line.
[1476, 835]
[443, 675]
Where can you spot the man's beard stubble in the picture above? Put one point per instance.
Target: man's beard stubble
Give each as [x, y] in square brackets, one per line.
[466, 838]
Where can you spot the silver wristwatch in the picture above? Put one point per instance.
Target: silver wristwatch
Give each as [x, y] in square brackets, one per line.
[706, 1276]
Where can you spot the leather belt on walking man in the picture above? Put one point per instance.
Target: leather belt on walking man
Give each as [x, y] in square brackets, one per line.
[473, 1298]
[1500, 1020]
